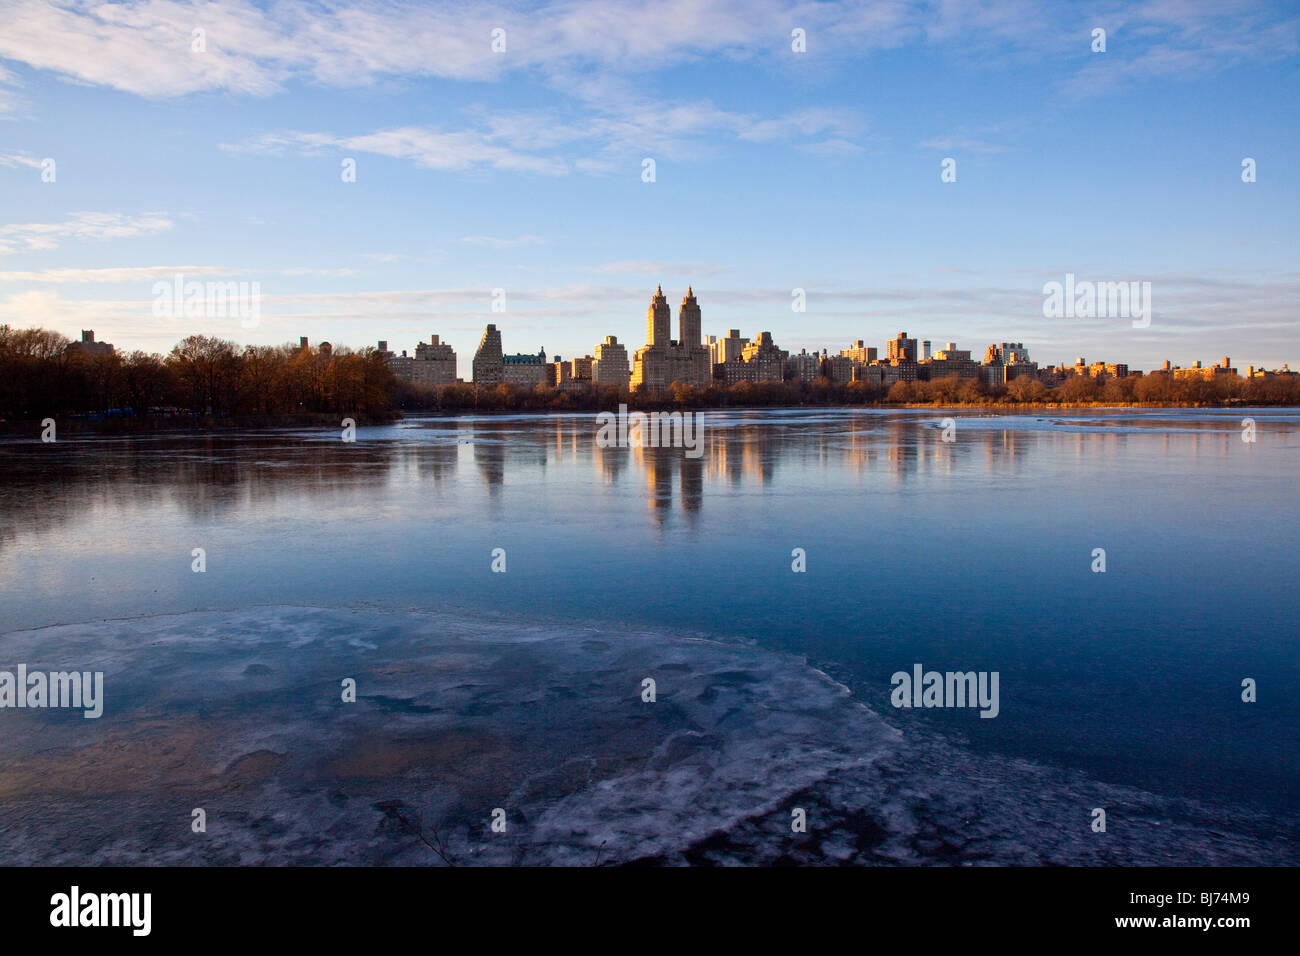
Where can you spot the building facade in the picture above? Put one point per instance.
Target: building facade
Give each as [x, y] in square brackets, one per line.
[489, 363]
[89, 346]
[523, 368]
[609, 365]
[663, 360]
[901, 348]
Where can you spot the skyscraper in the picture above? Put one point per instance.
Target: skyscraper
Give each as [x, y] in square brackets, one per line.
[662, 361]
[610, 367]
[488, 360]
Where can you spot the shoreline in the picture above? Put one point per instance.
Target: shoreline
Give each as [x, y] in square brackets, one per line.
[120, 426]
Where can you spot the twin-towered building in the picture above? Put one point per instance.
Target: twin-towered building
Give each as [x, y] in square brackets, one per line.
[664, 360]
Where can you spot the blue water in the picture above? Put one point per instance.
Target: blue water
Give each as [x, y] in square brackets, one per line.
[969, 555]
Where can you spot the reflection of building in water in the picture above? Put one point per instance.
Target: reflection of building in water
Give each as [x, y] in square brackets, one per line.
[660, 465]
[747, 450]
[657, 463]
[1003, 450]
[490, 457]
[691, 484]
[609, 462]
[422, 462]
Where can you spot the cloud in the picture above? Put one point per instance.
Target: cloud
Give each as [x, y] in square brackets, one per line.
[1182, 39]
[119, 274]
[147, 47]
[651, 267]
[14, 160]
[429, 148]
[100, 226]
[611, 135]
[496, 243]
[259, 48]
[962, 144]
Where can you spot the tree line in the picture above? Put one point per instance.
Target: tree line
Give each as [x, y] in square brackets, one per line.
[43, 374]
[1156, 388]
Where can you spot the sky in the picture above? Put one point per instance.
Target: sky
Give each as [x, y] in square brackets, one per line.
[133, 150]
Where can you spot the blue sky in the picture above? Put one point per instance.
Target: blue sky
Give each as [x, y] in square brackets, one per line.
[775, 170]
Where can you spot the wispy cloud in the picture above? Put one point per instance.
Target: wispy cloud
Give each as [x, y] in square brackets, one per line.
[962, 144]
[14, 160]
[148, 47]
[494, 242]
[653, 267]
[551, 143]
[129, 274]
[98, 226]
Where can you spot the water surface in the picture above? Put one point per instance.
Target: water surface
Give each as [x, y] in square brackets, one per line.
[974, 554]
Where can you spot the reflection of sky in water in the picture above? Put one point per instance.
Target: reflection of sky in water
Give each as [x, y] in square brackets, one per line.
[969, 555]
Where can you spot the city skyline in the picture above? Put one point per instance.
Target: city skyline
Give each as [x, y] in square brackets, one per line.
[436, 361]
[780, 164]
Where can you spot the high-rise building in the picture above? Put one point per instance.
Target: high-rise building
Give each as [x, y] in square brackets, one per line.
[1005, 361]
[841, 368]
[902, 348]
[726, 349]
[1207, 371]
[759, 361]
[950, 362]
[557, 373]
[662, 361]
[658, 320]
[860, 354]
[805, 367]
[609, 366]
[764, 355]
[434, 364]
[580, 368]
[489, 363]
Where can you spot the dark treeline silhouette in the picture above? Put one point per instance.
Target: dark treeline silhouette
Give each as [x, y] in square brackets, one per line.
[1154, 389]
[43, 374]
